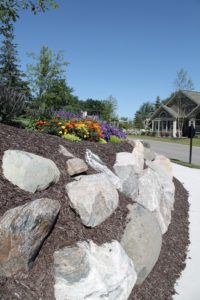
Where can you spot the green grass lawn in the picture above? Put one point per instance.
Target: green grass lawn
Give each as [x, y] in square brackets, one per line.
[184, 141]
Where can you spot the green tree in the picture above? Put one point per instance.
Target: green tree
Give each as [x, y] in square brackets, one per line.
[59, 95]
[138, 122]
[47, 71]
[10, 73]
[158, 102]
[92, 106]
[9, 10]
[109, 107]
[143, 114]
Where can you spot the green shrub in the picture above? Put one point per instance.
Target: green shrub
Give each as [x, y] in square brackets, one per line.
[71, 137]
[11, 103]
[102, 141]
[115, 139]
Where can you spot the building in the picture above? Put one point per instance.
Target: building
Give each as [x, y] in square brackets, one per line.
[180, 111]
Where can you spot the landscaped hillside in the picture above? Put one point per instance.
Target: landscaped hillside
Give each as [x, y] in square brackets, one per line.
[68, 230]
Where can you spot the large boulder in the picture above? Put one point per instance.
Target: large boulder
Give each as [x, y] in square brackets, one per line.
[92, 272]
[154, 196]
[98, 165]
[28, 171]
[163, 169]
[22, 232]
[142, 240]
[126, 169]
[76, 166]
[93, 197]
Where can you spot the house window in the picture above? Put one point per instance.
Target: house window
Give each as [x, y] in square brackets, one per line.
[163, 114]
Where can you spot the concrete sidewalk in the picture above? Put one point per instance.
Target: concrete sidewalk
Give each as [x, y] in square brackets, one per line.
[188, 285]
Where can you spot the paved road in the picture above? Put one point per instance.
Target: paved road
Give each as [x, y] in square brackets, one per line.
[176, 151]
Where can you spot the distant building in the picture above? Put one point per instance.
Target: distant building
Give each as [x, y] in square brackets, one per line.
[174, 118]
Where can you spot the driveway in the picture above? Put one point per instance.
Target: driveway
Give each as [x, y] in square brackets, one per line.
[177, 151]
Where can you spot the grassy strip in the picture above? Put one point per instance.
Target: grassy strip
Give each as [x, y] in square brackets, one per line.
[184, 163]
[184, 141]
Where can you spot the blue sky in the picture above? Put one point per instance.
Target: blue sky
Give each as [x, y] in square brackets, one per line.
[130, 49]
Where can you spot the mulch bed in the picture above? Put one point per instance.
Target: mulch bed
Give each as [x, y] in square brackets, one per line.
[39, 282]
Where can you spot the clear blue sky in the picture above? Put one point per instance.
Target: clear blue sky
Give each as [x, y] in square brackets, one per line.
[130, 49]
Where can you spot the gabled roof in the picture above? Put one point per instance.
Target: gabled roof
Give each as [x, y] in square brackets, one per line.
[194, 96]
[169, 110]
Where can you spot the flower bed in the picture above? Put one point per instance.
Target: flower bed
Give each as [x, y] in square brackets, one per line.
[65, 124]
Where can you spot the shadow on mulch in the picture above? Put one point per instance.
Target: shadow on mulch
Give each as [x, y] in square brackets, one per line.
[68, 229]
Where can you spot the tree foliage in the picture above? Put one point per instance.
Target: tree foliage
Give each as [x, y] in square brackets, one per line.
[46, 72]
[10, 73]
[9, 10]
[109, 107]
[144, 112]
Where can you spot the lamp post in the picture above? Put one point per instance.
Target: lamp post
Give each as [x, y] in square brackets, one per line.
[191, 134]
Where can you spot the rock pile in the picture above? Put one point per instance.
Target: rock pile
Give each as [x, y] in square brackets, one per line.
[107, 271]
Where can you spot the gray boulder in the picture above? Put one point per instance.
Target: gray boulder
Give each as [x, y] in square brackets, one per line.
[142, 240]
[93, 197]
[125, 167]
[92, 272]
[76, 166]
[98, 165]
[28, 171]
[22, 232]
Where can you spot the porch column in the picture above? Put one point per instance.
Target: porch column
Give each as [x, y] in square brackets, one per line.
[174, 128]
[158, 127]
[152, 126]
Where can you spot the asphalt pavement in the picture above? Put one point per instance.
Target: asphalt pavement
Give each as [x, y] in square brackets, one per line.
[173, 150]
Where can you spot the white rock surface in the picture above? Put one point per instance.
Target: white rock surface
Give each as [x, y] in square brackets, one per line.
[93, 197]
[65, 152]
[28, 171]
[161, 164]
[98, 165]
[142, 240]
[93, 272]
[163, 169]
[76, 166]
[126, 169]
[154, 197]
[138, 154]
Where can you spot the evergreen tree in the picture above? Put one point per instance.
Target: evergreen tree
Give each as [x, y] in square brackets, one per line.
[158, 102]
[10, 73]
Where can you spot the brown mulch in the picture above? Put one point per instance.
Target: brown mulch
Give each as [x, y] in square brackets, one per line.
[68, 229]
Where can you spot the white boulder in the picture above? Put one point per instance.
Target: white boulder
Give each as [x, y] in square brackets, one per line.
[126, 169]
[98, 165]
[153, 196]
[91, 272]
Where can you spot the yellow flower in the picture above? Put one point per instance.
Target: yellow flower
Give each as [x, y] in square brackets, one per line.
[63, 127]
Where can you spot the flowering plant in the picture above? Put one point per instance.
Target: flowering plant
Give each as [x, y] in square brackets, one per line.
[62, 123]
